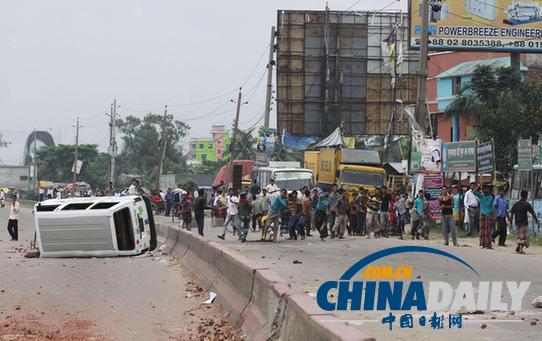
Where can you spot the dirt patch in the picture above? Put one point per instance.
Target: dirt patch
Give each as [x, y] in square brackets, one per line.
[31, 327]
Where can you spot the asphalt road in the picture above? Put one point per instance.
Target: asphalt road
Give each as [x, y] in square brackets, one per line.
[130, 298]
[323, 261]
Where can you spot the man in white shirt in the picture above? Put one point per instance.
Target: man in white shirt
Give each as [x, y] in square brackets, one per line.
[231, 217]
[472, 209]
[132, 190]
[50, 193]
[162, 195]
[13, 222]
[272, 189]
[41, 194]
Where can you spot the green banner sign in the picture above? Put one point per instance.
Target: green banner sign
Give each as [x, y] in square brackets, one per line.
[459, 156]
[525, 156]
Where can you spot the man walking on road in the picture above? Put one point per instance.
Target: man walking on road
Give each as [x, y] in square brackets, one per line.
[417, 215]
[231, 217]
[385, 211]
[278, 205]
[199, 210]
[13, 222]
[321, 211]
[501, 211]
[448, 223]
[472, 207]
[341, 218]
[401, 210]
[519, 212]
[486, 216]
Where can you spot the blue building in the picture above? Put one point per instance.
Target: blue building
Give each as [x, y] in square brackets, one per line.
[449, 82]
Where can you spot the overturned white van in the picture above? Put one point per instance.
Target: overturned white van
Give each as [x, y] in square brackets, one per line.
[95, 227]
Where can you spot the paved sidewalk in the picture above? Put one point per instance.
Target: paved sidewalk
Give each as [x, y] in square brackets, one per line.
[322, 261]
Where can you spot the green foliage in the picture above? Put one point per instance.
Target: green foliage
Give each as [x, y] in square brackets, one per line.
[207, 167]
[188, 184]
[55, 164]
[141, 152]
[244, 145]
[506, 109]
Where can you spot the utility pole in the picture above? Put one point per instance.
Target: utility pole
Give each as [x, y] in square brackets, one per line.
[269, 78]
[162, 149]
[232, 144]
[112, 142]
[421, 109]
[35, 163]
[76, 155]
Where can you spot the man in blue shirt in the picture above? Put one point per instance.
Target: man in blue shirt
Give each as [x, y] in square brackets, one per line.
[501, 211]
[419, 201]
[321, 216]
[486, 216]
[278, 205]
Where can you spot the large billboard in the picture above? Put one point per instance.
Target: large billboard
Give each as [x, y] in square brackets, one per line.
[496, 25]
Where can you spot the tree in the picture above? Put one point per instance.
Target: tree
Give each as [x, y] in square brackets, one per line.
[55, 163]
[244, 145]
[141, 151]
[506, 109]
[207, 167]
[188, 184]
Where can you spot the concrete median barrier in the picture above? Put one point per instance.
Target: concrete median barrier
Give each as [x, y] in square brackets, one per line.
[257, 297]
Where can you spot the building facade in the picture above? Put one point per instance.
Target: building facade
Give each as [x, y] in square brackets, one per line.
[338, 67]
[17, 177]
[448, 72]
[214, 148]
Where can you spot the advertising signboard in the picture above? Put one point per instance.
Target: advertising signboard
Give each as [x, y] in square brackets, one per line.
[525, 156]
[432, 184]
[484, 157]
[426, 156]
[495, 25]
[266, 139]
[459, 156]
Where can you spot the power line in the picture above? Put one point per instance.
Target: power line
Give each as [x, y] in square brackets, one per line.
[383, 8]
[256, 66]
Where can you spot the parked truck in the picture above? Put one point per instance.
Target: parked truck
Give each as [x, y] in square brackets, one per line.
[348, 168]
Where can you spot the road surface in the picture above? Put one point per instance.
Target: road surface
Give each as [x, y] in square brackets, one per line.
[319, 261]
[130, 298]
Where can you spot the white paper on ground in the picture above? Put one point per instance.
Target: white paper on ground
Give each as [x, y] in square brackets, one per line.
[212, 296]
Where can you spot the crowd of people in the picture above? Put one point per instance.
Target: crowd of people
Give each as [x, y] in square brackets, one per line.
[336, 213]
[377, 213]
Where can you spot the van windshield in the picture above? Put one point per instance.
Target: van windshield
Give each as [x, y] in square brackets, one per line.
[293, 180]
[362, 178]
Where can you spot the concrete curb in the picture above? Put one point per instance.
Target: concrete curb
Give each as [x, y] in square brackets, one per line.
[256, 296]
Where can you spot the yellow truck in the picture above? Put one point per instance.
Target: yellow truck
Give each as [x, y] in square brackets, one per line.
[348, 168]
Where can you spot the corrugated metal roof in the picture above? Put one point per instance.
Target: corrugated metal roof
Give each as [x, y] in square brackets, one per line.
[467, 68]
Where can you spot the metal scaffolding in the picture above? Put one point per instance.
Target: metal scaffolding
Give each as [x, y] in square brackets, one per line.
[331, 68]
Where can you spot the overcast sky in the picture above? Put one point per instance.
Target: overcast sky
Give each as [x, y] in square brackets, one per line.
[65, 58]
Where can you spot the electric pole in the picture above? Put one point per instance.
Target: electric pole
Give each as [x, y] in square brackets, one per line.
[162, 149]
[76, 156]
[421, 108]
[112, 142]
[232, 144]
[269, 78]
[35, 164]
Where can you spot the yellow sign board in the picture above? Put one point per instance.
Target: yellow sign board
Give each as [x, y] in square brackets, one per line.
[494, 25]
